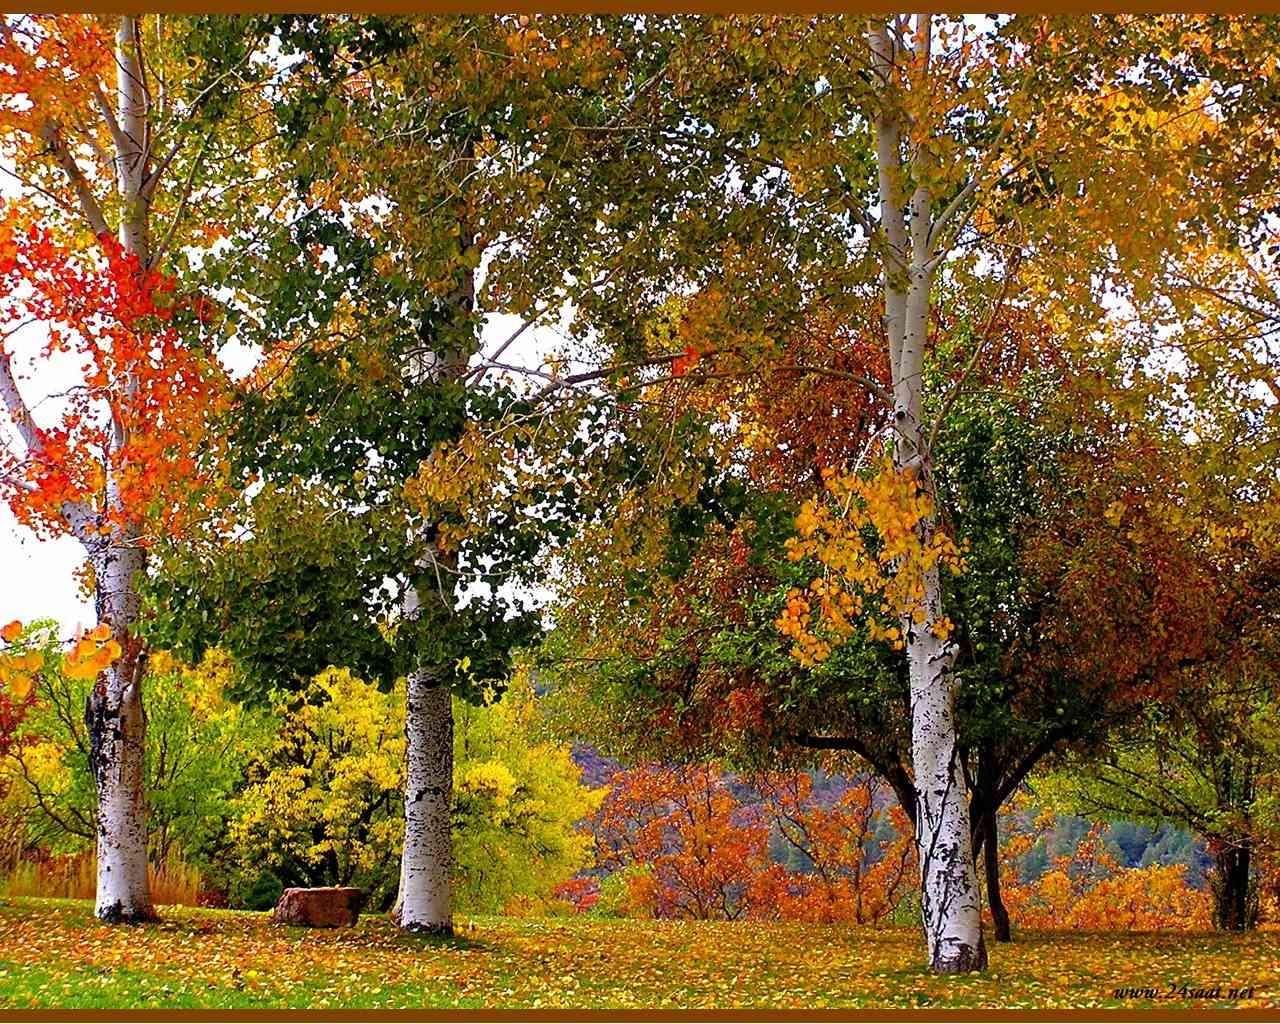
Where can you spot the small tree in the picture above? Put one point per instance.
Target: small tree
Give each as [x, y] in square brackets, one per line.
[697, 847]
[860, 853]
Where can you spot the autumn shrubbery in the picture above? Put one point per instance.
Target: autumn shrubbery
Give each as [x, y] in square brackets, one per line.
[1088, 889]
[198, 743]
[308, 791]
[693, 843]
[690, 842]
[324, 801]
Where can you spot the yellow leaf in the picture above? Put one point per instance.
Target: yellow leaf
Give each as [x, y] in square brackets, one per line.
[20, 685]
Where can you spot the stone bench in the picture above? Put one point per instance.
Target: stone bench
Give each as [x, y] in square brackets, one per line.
[333, 907]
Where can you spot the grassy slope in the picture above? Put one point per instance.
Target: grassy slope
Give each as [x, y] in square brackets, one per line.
[53, 953]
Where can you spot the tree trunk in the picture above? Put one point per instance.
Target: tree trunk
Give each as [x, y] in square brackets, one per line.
[1233, 910]
[991, 861]
[116, 724]
[950, 907]
[984, 810]
[114, 712]
[424, 903]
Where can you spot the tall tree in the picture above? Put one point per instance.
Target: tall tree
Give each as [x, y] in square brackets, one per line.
[729, 187]
[362, 298]
[105, 132]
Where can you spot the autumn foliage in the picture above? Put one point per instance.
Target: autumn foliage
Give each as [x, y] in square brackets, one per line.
[862, 853]
[864, 581]
[690, 842]
[1088, 890]
[696, 847]
[141, 414]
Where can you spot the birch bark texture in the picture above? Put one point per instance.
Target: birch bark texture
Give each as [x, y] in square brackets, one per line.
[425, 900]
[949, 895]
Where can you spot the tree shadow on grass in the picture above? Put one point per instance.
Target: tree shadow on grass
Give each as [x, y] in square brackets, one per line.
[457, 942]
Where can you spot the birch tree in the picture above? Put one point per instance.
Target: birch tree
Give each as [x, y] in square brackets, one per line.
[103, 137]
[425, 899]
[913, 231]
[729, 190]
[362, 297]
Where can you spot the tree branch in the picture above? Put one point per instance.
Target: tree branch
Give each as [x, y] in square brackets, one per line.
[52, 135]
[182, 201]
[19, 411]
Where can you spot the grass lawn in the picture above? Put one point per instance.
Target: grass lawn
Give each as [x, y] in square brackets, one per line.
[53, 953]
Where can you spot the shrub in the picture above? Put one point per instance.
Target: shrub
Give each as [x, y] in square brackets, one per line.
[682, 842]
[1087, 889]
[198, 743]
[325, 801]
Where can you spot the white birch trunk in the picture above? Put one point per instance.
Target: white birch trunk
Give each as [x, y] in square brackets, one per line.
[114, 712]
[116, 725]
[951, 910]
[425, 902]
[950, 907]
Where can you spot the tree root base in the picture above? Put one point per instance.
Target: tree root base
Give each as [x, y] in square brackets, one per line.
[965, 960]
[116, 914]
[439, 931]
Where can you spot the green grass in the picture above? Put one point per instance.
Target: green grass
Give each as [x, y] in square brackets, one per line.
[53, 953]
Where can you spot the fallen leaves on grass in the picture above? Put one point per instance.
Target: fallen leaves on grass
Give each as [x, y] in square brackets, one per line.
[53, 953]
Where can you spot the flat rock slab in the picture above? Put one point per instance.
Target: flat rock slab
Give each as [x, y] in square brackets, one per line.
[335, 907]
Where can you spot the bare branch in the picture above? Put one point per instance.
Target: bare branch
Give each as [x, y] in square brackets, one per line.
[19, 411]
[79, 515]
[490, 362]
[951, 209]
[109, 116]
[52, 135]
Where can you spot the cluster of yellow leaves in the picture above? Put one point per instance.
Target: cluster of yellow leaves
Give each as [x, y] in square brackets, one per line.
[1184, 125]
[92, 654]
[491, 779]
[876, 538]
[457, 479]
[517, 802]
[1088, 890]
[42, 762]
[354, 736]
[17, 664]
[203, 686]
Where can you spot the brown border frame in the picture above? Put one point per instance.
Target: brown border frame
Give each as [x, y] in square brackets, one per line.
[502, 1016]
